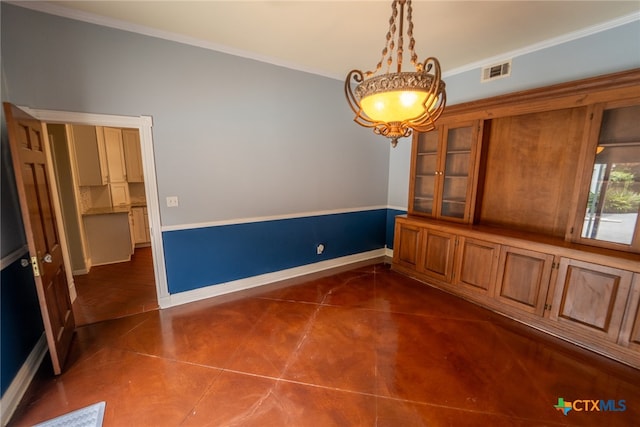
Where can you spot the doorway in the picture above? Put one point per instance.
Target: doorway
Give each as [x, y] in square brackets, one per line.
[146, 265]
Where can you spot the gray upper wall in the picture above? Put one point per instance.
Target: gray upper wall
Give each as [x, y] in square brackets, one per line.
[234, 138]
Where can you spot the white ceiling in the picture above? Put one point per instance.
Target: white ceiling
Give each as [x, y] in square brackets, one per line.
[332, 37]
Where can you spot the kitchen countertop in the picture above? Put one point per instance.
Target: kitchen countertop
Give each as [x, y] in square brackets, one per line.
[113, 209]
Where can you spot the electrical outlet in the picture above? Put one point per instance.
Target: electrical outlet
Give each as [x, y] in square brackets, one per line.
[172, 201]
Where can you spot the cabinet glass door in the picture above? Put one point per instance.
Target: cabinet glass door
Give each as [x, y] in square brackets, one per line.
[456, 172]
[614, 193]
[426, 172]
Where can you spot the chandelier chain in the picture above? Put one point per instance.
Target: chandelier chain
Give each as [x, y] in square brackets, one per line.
[390, 43]
[412, 41]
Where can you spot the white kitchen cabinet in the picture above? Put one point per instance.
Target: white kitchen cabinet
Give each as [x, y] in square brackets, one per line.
[119, 192]
[115, 154]
[89, 152]
[132, 155]
[140, 227]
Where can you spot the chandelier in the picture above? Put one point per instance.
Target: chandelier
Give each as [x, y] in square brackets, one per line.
[395, 104]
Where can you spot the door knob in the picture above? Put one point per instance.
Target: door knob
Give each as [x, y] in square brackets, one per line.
[25, 262]
[47, 258]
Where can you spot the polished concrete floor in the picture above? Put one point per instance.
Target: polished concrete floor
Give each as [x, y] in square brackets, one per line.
[366, 347]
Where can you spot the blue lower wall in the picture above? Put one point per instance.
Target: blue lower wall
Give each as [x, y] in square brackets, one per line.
[200, 257]
[391, 223]
[20, 320]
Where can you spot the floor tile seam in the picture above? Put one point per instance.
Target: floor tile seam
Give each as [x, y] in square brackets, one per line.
[288, 300]
[308, 327]
[511, 350]
[381, 396]
[302, 383]
[343, 284]
[462, 409]
[171, 359]
[423, 315]
[192, 410]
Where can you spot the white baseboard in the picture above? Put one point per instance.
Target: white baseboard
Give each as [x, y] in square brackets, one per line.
[265, 279]
[20, 383]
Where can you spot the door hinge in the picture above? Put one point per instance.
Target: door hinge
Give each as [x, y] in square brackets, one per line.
[547, 306]
[34, 265]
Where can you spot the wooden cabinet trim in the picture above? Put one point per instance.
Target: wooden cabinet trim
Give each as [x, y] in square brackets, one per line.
[578, 93]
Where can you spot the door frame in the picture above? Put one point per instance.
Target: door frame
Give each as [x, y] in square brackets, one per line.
[144, 125]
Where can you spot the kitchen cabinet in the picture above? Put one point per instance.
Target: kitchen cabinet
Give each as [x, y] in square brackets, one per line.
[132, 155]
[119, 192]
[591, 297]
[115, 154]
[444, 171]
[140, 225]
[89, 154]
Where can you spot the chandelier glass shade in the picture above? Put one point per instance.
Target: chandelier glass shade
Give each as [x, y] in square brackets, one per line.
[396, 104]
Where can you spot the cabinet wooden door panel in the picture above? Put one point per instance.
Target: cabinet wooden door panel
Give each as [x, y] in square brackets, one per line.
[630, 332]
[476, 264]
[132, 155]
[119, 192]
[437, 254]
[523, 278]
[89, 154]
[406, 245]
[444, 171]
[115, 155]
[591, 297]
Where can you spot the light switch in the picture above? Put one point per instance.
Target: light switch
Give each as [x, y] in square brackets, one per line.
[172, 201]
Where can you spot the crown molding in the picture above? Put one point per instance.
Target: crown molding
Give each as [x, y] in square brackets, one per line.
[91, 18]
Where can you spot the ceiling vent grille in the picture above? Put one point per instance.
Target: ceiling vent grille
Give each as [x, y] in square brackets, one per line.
[497, 71]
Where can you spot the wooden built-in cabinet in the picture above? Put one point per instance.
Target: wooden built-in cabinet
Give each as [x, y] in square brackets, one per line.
[523, 278]
[630, 331]
[409, 241]
[444, 171]
[523, 203]
[591, 297]
[476, 265]
[436, 256]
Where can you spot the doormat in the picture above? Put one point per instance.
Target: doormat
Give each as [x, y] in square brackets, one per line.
[91, 416]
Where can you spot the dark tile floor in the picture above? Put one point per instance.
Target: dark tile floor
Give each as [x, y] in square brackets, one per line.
[367, 347]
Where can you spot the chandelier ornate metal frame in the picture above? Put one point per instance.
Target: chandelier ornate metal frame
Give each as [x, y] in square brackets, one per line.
[396, 104]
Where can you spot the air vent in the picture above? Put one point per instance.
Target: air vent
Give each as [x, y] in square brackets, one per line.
[497, 71]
